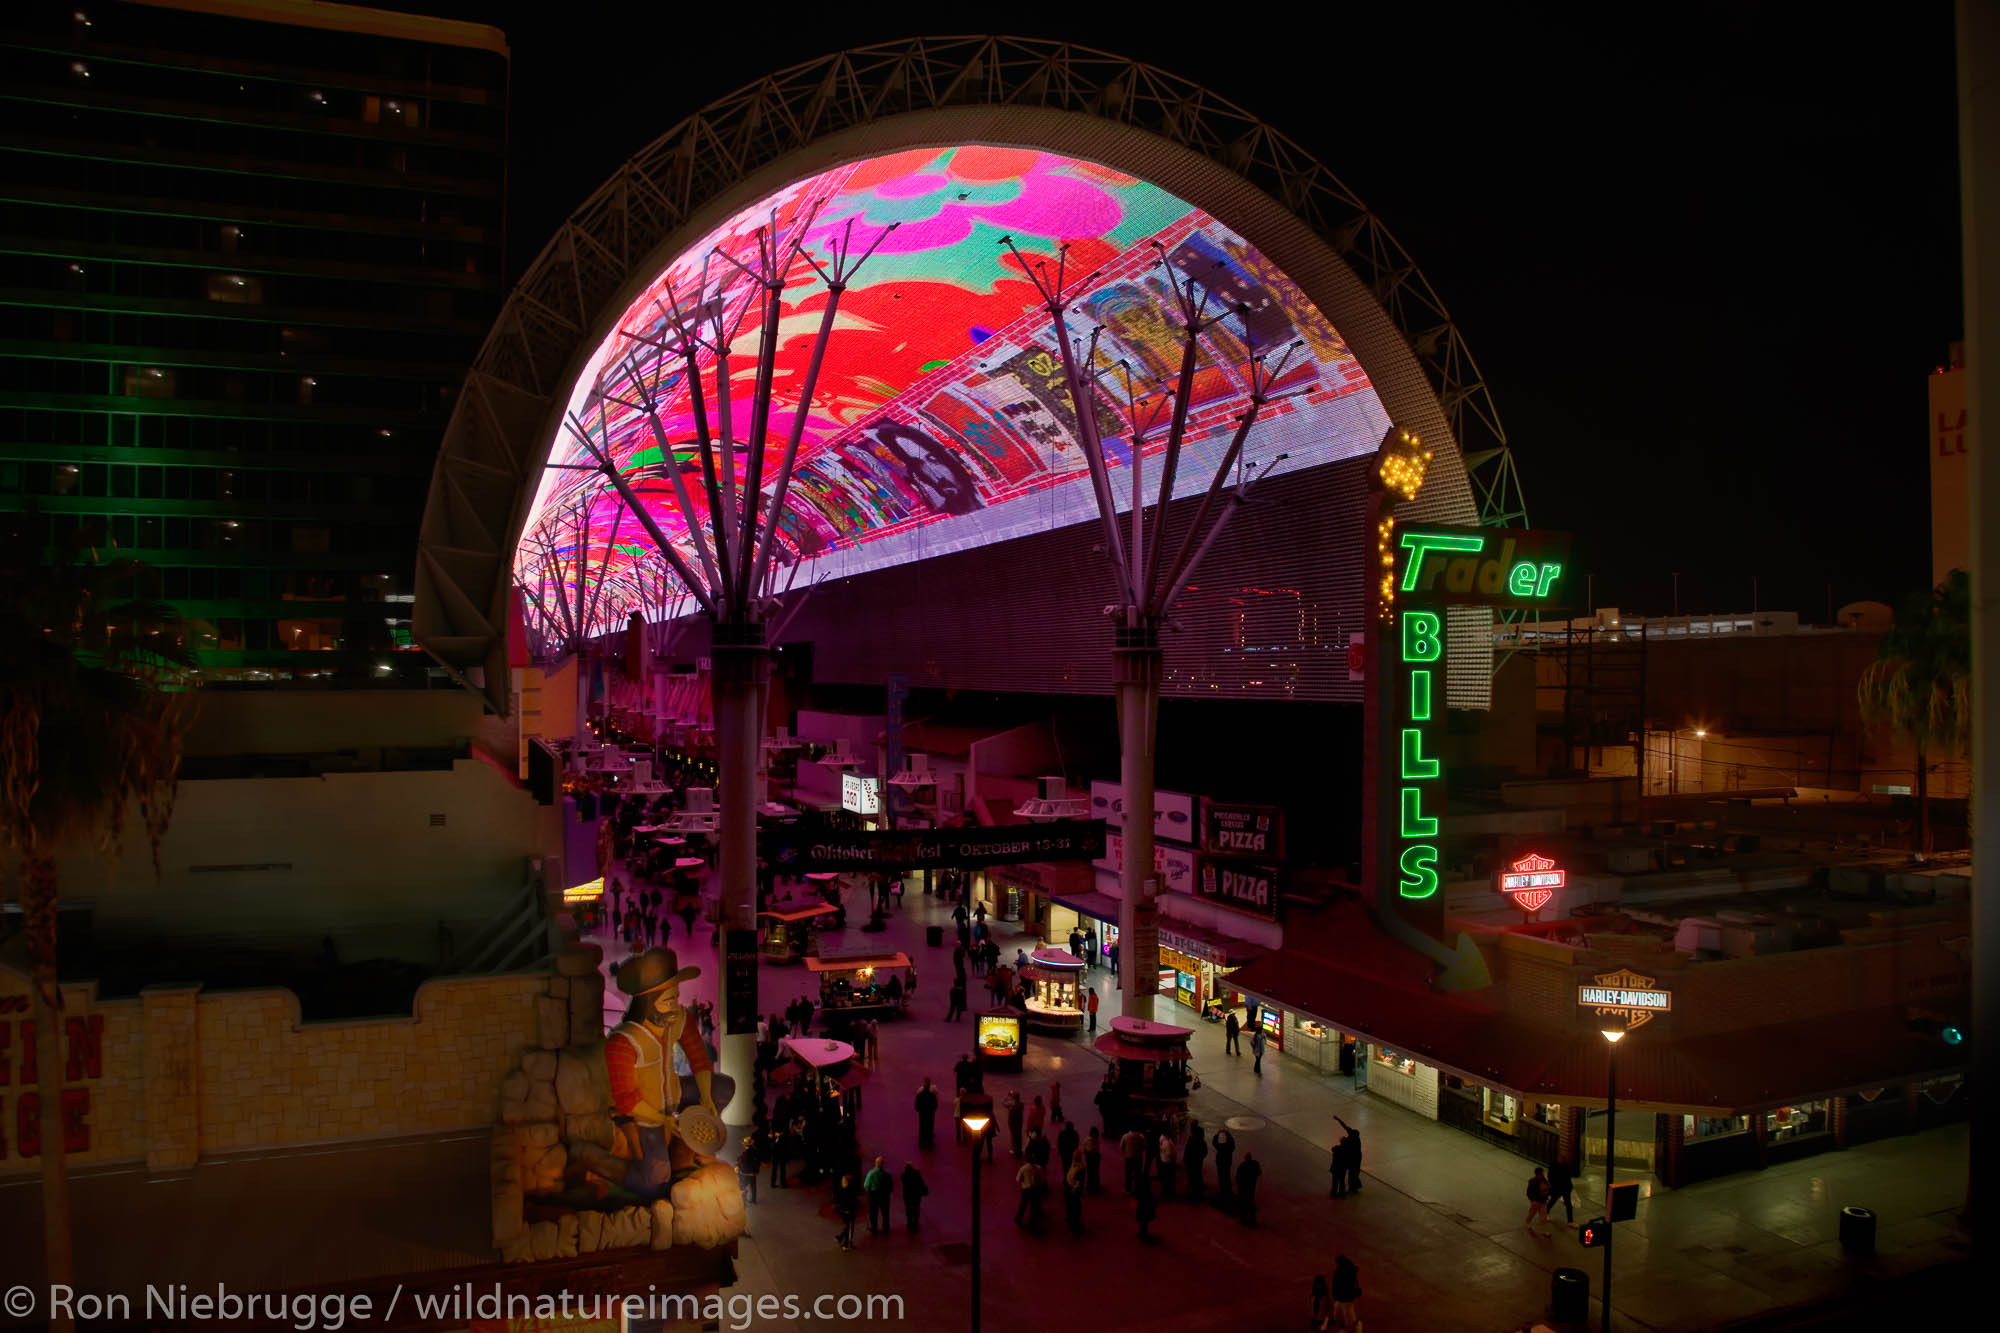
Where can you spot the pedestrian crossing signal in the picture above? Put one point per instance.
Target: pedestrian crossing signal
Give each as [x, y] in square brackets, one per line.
[1592, 1233]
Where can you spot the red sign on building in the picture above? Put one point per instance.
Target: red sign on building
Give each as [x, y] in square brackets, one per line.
[1532, 881]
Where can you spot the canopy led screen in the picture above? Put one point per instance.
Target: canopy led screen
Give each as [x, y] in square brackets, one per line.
[939, 421]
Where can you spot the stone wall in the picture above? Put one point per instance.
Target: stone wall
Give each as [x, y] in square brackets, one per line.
[175, 1074]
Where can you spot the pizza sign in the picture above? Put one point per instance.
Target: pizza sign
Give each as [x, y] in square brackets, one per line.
[1532, 881]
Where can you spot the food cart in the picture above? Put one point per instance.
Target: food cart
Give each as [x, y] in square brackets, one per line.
[998, 1034]
[857, 985]
[1150, 1074]
[827, 1067]
[1055, 991]
[785, 930]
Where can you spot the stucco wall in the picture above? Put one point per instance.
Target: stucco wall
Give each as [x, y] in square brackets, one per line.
[284, 862]
[181, 1075]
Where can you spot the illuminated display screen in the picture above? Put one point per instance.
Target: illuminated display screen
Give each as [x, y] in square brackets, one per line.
[1000, 1034]
[939, 421]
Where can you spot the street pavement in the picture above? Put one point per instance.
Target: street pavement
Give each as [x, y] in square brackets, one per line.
[1437, 1229]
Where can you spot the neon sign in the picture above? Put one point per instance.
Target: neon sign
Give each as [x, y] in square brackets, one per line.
[1419, 794]
[1532, 881]
[1626, 995]
[1482, 567]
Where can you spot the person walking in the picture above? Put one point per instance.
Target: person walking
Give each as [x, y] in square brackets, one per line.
[1074, 1181]
[927, 1104]
[1093, 1156]
[1056, 1116]
[1319, 1307]
[1538, 1205]
[1231, 1029]
[846, 1206]
[1028, 1213]
[1346, 1293]
[1353, 1143]
[1247, 1173]
[1090, 1007]
[1013, 1109]
[1224, 1144]
[1194, 1155]
[1132, 1147]
[748, 1163]
[1144, 1208]
[878, 1184]
[1036, 1149]
[1038, 1116]
[1170, 1164]
[958, 1129]
[1562, 1181]
[1257, 1052]
[914, 1190]
[1338, 1170]
[1066, 1145]
[1076, 942]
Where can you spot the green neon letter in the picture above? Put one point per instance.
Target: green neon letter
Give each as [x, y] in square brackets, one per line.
[1521, 579]
[1550, 573]
[1416, 543]
[1419, 879]
[1420, 636]
[1414, 763]
[1415, 823]
[1420, 695]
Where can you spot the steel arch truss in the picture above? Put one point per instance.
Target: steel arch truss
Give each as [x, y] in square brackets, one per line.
[489, 464]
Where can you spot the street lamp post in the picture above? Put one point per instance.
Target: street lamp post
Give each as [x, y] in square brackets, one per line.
[976, 1112]
[1613, 1036]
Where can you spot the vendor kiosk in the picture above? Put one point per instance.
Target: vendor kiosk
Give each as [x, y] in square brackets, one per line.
[1150, 1075]
[998, 1034]
[857, 985]
[1055, 991]
[827, 1068]
[785, 930]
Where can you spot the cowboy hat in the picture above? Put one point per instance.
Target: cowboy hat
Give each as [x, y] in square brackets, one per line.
[653, 970]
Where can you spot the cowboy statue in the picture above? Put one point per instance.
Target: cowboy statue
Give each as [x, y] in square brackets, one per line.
[657, 1066]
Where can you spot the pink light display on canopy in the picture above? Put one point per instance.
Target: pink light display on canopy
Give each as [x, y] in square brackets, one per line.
[939, 420]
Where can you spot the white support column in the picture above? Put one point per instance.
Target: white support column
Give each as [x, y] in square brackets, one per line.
[1979, 193]
[1138, 717]
[740, 667]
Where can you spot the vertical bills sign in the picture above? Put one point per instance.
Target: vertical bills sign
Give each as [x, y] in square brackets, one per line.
[1430, 569]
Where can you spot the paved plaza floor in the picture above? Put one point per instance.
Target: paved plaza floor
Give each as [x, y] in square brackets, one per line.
[1436, 1230]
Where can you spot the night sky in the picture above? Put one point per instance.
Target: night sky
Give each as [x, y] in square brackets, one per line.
[1704, 268]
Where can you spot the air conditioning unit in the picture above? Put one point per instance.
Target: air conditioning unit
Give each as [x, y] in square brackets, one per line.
[840, 756]
[916, 772]
[1053, 801]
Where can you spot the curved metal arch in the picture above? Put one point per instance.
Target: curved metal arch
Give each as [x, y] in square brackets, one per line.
[486, 462]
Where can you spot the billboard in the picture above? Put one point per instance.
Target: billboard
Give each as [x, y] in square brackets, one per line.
[1174, 865]
[1173, 812]
[1951, 480]
[861, 795]
[1237, 884]
[792, 850]
[1256, 831]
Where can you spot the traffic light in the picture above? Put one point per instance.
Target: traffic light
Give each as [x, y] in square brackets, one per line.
[1592, 1233]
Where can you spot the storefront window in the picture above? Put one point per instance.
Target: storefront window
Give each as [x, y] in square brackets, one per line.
[1695, 1128]
[1388, 1059]
[1501, 1110]
[1549, 1113]
[1791, 1122]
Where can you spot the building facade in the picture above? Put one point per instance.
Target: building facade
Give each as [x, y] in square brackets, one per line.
[247, 262]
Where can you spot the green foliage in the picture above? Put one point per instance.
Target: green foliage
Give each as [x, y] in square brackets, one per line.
[1920, 682]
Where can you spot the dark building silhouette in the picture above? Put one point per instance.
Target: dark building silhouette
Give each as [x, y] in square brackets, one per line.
[247, 261]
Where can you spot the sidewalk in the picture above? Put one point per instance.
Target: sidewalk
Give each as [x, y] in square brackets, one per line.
[1436, 1230]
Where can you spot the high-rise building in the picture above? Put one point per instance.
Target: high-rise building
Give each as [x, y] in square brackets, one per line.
[1951, 472]
[248, 250]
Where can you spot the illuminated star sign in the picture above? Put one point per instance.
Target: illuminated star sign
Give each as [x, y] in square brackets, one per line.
[1532, 881]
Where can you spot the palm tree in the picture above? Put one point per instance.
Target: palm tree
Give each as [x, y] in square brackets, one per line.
[94, 704]
[1920, 682]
